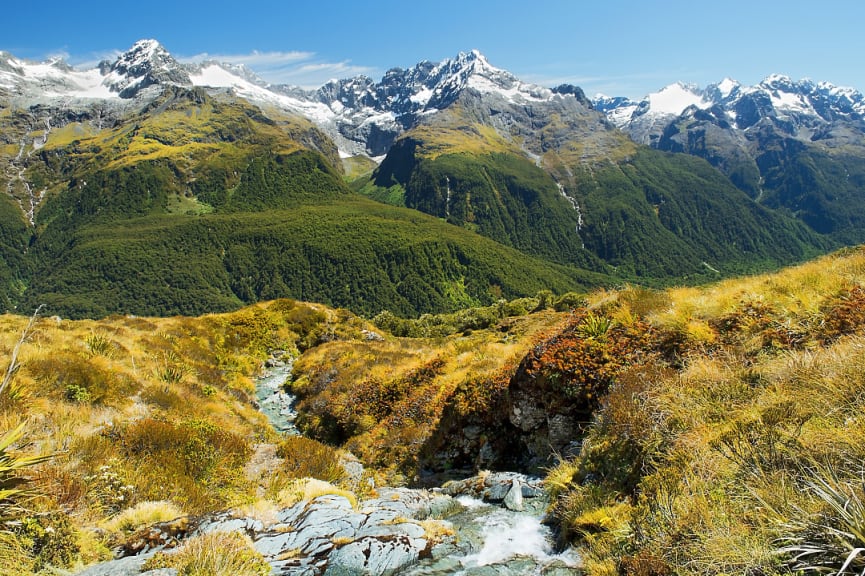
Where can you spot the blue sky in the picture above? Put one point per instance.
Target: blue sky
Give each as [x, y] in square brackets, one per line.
[620, 48]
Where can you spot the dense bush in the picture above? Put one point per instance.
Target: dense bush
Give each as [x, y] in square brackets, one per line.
[586, 357]
[194, 463]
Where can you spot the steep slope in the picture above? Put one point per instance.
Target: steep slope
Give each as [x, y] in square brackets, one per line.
[794, 146]
[554, 179]
[169, 198]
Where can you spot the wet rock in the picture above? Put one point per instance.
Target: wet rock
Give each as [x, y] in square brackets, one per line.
[328, 536]
[514, 499]
[496, 492]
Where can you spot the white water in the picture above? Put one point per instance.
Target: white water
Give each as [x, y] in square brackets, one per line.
[494, 540]
[507, 535]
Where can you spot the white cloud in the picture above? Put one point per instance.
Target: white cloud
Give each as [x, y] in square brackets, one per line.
[296, 68]
[255, 58]
[634, 86]
[93, 59]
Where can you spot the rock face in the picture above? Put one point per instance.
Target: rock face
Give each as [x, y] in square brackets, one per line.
[327, 536]
[497, 487]
[546, 425]
[147, 63]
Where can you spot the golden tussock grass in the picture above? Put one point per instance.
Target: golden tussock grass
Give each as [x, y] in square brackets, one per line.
[765, 393]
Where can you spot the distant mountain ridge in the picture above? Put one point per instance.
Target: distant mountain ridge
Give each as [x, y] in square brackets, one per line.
[802, 105]
[363, 115]
[239, 190]
[795, 146]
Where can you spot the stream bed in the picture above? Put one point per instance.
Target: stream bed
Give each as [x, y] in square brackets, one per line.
[494, 540]
[273, 401]
[490, 539]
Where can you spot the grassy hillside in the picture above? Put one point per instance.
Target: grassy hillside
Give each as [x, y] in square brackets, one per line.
[724, 431]
[735, 445]
[144, 420]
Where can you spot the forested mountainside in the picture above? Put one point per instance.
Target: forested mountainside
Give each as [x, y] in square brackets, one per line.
[148, 186]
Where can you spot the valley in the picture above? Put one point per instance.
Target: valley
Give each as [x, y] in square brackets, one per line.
[448, 321]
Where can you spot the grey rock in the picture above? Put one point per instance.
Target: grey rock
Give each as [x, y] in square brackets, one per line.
[374, 556]
[496, 492]
[514, 499]
[270, 545]
[532, 491]
[129, 566]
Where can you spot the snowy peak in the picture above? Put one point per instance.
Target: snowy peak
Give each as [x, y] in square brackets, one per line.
[145, 64]
[777, 99]
[724, 90]
[674, 99]
[471, 70]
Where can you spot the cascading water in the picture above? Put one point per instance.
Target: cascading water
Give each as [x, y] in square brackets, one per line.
[495, 540]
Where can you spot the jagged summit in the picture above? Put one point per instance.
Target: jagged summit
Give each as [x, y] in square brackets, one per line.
[798, 103]
[363, 115]
[145, 64]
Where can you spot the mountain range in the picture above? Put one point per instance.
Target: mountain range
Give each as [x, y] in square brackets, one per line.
[147, 185]
[796, 146]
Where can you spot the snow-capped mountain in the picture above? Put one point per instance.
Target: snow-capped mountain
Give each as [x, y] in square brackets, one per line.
[362, 115]
[369, 115]
[779, 99]
[147, 63]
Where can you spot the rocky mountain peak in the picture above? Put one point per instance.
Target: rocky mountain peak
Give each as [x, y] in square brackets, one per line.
[724, 90]
[778, 82]
[145, 64]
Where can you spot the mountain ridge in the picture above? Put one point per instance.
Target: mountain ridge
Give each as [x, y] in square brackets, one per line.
[796, 146]
[149, 142]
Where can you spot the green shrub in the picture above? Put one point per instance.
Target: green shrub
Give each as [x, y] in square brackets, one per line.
[77, 394]
[51, 538]
[100, 345]
[12, 481]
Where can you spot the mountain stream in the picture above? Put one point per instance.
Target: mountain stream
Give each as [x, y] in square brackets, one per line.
[490, 538]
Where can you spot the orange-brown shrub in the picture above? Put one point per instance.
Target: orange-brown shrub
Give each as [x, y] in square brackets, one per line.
[584, 359]
[843, 313]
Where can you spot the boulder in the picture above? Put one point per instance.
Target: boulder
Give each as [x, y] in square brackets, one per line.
[514, 499]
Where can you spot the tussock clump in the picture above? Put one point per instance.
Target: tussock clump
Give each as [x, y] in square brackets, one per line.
[213, 554]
